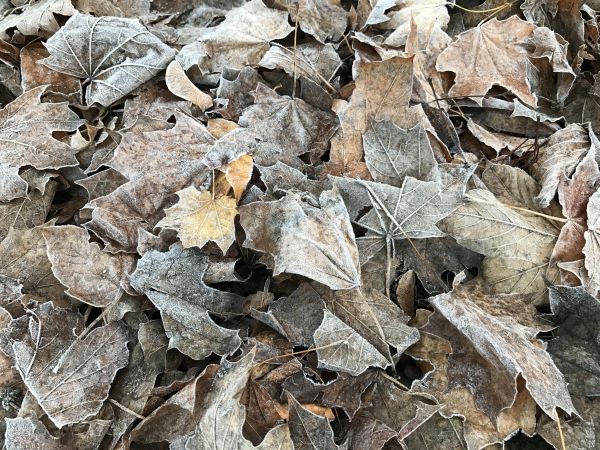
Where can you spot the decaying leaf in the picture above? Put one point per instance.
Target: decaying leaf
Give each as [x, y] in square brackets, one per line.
[37, 17]
[173, 282]
[68, 375]
[494, 52]
[180, 85]
[113, 55]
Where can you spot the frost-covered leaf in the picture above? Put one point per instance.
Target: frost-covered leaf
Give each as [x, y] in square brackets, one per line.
[294, 232]
[37, 18]
[176, 161]
[309, 431]
[26, 128]
[91, 275]
[591, 248]
[392, 153]
[576, 350]
[113, 55]
[240, 40]
[324, 19]
[70, 377]
[200, 216]
[173, 282]
[494, 52]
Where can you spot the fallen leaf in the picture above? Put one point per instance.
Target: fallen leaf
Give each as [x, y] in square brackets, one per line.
[69, 376]
[37, 18]
[91, 275]
[113, 55]
[181, 86]
[200, 217]
[293, 232]
[238, 174]
[173, 282]
[490, 54]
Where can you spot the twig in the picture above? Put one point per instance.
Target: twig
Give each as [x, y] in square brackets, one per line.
[126, 409]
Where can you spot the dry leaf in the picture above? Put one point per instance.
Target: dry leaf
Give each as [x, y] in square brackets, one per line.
[491, 53]
[37, 17]
[113, 55]
[323, 19]
[181, 86]
[295, 232]
[238, 173]
[91, 275]
[200, 217]
[591, 248]
[69, 376]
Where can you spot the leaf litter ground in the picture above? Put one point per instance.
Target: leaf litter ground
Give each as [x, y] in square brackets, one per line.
[299, 224]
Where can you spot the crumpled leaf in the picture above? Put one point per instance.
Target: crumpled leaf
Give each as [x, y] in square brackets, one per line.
[559, 157]
[69, 377]
[295, 232]
[173, 282]
[181, 86]
[220, 421]
[176, 161]
[392, 153]
[114, 55]
[491, 53]
[240, 40]
[199, 217]
[37, 18]
[309, 431]
[508, 344]
[576, 350]
[91, 275]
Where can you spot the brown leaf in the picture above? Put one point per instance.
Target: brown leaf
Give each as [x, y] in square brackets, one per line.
[91, 275]
[323, 19]
[86, 48]
[117, 217]
[491, 53]
[37, 18]
[69, 376]
[294, 232]
[238, 174]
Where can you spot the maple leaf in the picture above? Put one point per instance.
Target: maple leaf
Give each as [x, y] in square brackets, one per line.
[114, 55]
[173, 282]
[91, 275]
[324, 19]
[293, 231]
[37, 18]
[68, 375]
[490, 54]
[199, 217]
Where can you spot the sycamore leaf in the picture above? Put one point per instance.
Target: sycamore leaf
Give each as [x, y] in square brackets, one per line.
[220, 420]
[295, 232]
[181, 86]
[199, 217]
[114, 55]
[69, 377]
[91, 275]
[173, 282]
[392, 153]
[26, 127]
[340, 347]
[37, 18]
[494, 52]
[309, 431]
[323, 19]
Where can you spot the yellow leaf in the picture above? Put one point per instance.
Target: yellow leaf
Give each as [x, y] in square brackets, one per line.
[198, 218]
[238, 174]
[220, 127]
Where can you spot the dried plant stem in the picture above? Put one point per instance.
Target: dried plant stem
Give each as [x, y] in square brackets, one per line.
[295, 47]
[126, 409]
[301, 352]
[560, 432]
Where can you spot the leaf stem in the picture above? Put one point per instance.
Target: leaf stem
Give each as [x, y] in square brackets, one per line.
[535, 213]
